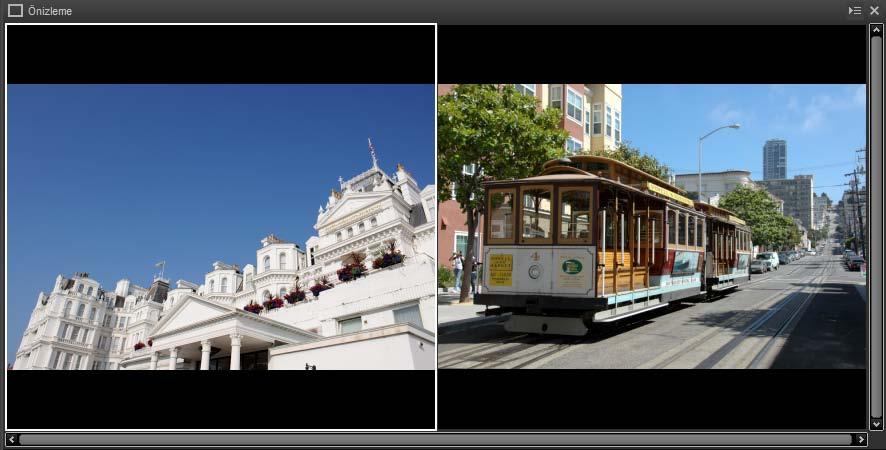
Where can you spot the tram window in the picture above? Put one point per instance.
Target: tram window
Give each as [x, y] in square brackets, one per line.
[681, 231]
[692, 230]
[699, 233]
[536, 215]
[575, 215]
[655, 216]
[501, 215]
[672, 227]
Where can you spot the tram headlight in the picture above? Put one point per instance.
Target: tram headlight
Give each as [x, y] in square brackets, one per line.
[534, 271]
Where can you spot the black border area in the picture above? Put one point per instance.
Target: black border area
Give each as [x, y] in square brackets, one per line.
[662, 54]
[76, 54]
[283, 399]
[672, 400]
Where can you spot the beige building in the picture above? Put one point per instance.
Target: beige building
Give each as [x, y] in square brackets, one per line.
[797, 194]
[714, 183]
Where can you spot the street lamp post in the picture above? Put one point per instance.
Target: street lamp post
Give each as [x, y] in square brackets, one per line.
[733, 126]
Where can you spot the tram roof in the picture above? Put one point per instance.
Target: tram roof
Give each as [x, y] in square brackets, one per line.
[644, 176]
[723, 214]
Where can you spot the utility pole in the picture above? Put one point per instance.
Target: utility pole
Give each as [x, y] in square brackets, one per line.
[859, 238]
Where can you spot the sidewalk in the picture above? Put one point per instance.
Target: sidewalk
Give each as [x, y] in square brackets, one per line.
[453, 316]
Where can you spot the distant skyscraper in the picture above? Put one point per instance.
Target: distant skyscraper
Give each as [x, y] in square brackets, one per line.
[775, 159]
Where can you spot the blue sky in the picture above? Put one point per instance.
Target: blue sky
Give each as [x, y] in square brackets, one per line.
[822, 124]
[112, 179]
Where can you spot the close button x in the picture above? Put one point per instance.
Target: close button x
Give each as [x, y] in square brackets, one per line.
[875, 10]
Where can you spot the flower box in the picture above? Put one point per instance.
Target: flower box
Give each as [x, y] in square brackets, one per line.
[273, 303]
[295, 296]
[389, 258]
[139, 345]
[253, 307]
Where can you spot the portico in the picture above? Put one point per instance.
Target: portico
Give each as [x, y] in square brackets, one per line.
[202, 334]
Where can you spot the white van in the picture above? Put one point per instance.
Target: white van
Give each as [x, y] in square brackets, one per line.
[772, 257]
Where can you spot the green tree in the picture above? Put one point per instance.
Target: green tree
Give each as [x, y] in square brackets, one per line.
[633, 157]
[769, 228]
[499, 131]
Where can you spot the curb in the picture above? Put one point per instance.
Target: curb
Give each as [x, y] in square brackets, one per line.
[467, 324]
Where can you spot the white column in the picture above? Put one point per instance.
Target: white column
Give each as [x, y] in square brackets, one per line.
[235, 351]
[154, 358]
[206, 347]
[173, 357]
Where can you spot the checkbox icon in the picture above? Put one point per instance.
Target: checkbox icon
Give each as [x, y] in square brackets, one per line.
[15, 10]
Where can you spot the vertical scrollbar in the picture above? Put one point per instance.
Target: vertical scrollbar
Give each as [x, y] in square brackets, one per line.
[875, 223]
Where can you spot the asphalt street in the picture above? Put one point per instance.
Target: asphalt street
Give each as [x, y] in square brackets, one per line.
[808, 314]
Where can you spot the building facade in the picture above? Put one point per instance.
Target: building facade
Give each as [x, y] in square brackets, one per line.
[592, 116]
[797, 194]
[383, 318]
[775, 159]
[714, 183]
[822, 206]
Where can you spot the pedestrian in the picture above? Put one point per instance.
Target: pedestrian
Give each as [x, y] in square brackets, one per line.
[457, 266]
[474, 268]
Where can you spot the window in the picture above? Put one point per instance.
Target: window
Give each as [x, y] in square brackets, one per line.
[681, 231]
[89, 291]
[55, 357]
[461, 243]
[77, 362]
[501, 215]
[692, 231]
[598, 118]
[672, 227]
[556, 96]
[573, 145]
[68, 308]
[211, 285]
[361, 227]
[587, 122]
[699, 236]
[224, 284]
[350, 325]
[373, 222]
[94, 365]
[80, 310]
[79, 288]
[575, 215]
[67, 364]
[525, 89]
[608, 121]
[115, 343]
[350, 231]
[282, 292]
[574, 105]
[656, 223]
[75, 333]
[63, 331]
[91, 314]
[337, 236]
[469, 169]
[267, 263]
[536, 214]
[618, 126]
[410, 314]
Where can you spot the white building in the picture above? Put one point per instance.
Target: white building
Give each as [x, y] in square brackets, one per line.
[384, 319]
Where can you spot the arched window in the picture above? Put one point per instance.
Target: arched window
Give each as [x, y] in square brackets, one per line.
[224, 284]
[68, 308]
[282, 261]
[282, 292]
[80, 288]
[80, 310]
[266, 295]
[211, 285]
[373, 222]
[267, 264]
[350, 231]
[337, 236]
[362, 227]
[89, 291]
[91, 314]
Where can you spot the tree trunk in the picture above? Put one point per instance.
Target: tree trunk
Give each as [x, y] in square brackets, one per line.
[468, 266]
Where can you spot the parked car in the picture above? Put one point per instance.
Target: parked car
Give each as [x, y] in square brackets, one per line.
[847, 254]
[855, 262]
[760, 266]
[784, 258]
[772, 257]
[812, 253]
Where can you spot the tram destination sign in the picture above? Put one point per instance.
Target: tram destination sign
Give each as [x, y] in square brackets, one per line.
[652, 187]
